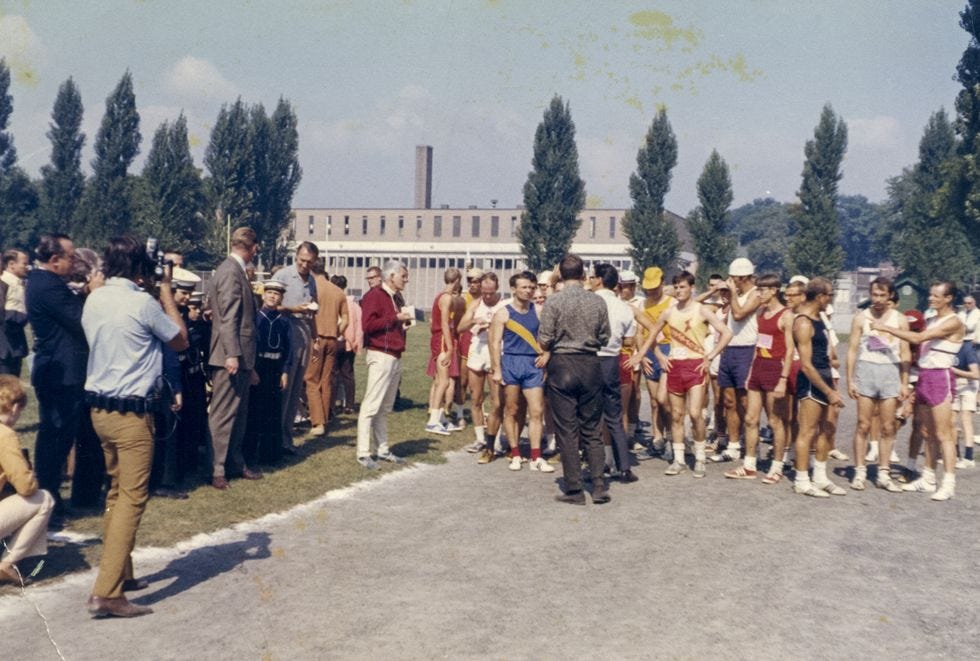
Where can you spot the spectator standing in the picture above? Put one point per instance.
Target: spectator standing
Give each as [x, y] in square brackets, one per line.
[330, 321]
[14, 313]
[347, 350]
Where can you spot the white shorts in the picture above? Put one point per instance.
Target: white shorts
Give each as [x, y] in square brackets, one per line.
[966, 395]
[479, 358]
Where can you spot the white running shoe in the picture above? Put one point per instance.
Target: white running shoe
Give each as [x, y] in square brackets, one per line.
[515, 463]
[945, 492]
[966, 463]
[920, 486]
[675, 468]
[894, 458]
[809, 489]
[886, 482]
[838, 455]
[831, 488]
[859, 483]
[476, 446]
[541, 465]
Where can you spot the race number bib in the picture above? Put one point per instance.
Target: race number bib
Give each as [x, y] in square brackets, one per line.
[765, 341]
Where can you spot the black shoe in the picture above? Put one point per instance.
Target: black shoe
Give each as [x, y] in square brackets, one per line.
[601, 497]
[571, 498]
[167, 492]
[628, 476]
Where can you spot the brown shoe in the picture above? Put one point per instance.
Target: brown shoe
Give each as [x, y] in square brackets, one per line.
[135, 584]
[220, 483]
[117, 607]
[252, 475]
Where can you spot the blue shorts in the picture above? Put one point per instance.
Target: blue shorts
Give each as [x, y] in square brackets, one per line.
[520, 371]
[657, 370]
[806, 390]
[733, 370]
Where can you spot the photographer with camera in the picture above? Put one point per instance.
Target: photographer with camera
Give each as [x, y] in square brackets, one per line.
[122, 322]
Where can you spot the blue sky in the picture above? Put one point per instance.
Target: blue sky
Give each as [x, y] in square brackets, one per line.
[371, 79]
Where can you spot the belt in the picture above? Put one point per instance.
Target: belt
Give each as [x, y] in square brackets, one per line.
[123, 404]
[274, 355]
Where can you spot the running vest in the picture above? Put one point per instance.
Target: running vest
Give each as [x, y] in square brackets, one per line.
[521, 332]
[688, 332]
[745, 333]
[879, 348]
[819, 344]
[772, 341]
[654, 311]
[938, 354]
[484, 314]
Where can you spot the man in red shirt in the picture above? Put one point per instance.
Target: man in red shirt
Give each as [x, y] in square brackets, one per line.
[384, 321]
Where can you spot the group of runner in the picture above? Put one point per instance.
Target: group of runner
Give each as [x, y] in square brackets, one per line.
[748, 344]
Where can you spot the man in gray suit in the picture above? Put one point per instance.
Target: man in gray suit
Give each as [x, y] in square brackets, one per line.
[232, 357]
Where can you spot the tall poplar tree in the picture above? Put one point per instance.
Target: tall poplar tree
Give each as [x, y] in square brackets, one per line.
[62, 181]
[176, 208]
[554, 194]
[285, 175]
[653, 239]
[107, 209]
[229, 162]
[816, 246]
[18, 196]
[708, 224]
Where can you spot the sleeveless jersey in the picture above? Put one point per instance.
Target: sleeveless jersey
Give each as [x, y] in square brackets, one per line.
[938, 354]
[819, 343]
[876, 347]
[772, 341]
[653, 312]
[745, 333]
[514, 344]
[688, 332]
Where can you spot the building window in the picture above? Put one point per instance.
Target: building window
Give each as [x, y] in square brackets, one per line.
[437, 226]
[329, 224]
[418, 226]
[513, 226]
[508, 264]
[382, 228]
[494, 226]
[442, 262]
[612, 227]
[457, 226]
[591, 227]
[364, 225]
[476, 227]
[401, 225]
[346, 225]
[311, 225]
[432, 262]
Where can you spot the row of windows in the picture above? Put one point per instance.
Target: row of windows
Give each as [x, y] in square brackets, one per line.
[457, 226]
[486, 263]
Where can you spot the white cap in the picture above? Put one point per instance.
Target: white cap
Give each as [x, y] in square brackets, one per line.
[741, 266]
[802, 279]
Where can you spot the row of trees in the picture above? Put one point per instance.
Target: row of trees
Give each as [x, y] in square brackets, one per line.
[252, 162]
[929, 225]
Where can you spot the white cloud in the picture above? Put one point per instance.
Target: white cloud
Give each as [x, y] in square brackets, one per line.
[195, 78]
[880, 132]
[20, 46]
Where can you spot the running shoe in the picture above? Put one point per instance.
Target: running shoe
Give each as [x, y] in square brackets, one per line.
[920, 486]
[486, 457]
[541, 465]
[831, 488]
[966, 463]
[675, 468]
[729, 454]
[741, 473]
[809, 489]
[437, 428]
[475, 446]
[945, 492]
[698, 469]
[859, 483]
[887, 483]
[838, 455]
[515, 463]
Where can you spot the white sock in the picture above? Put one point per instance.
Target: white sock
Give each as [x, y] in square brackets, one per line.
[481, 434]
[749, 463]
[434, 415]
[949, 480]
[610, 459]
[699, 450]
[734, 445]
[678, 452]
[802, 479]
[819, 472]
[874, 446]
[929, 475]
[861, 472]
[786, 456]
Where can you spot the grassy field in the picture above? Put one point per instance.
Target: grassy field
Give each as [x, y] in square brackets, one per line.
[323, 463]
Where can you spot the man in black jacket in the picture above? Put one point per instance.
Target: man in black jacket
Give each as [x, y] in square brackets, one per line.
[60, 358]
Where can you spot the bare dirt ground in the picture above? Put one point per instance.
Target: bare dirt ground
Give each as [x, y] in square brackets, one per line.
[468, 561]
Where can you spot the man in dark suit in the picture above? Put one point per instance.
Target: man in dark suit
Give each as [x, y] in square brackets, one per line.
[232, 357]
[60, 358]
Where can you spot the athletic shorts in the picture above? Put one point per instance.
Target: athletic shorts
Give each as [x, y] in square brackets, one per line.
[966, 395]
[435, 347]
[806, 390]
[625, 373]
[877, 380]
[479, 358]
[684, 375]
[463, 345]
[520, 371]
[733, 371]
[657, 370]
[934, 386]
[764, 374]
[794, 371]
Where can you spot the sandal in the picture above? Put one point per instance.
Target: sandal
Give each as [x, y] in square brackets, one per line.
[772, 478]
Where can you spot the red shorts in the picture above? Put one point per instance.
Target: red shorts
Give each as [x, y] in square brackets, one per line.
[435, 348]
[684, 375]
[463, 344]
[625, 371]
[765, 373]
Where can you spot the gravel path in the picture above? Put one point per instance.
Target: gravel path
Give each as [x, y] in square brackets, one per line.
[467, 561]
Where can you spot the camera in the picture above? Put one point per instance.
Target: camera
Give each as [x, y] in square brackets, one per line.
[156, 255]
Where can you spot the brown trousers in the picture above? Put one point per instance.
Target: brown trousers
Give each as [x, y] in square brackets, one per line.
[127, 442]
[319, 379]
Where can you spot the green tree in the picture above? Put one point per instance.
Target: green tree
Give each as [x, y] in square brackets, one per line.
[816, 246]
[229, 162]
[174, 206]
[62, 181]
[107, 206]
[653, 239]
[18, 196]
[554, 194]
[708, 223]
[925, 240]
[861, 227]
[961, 195]
[285, 174]
[762, 228]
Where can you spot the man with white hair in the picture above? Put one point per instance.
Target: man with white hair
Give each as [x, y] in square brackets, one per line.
[384, 321]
